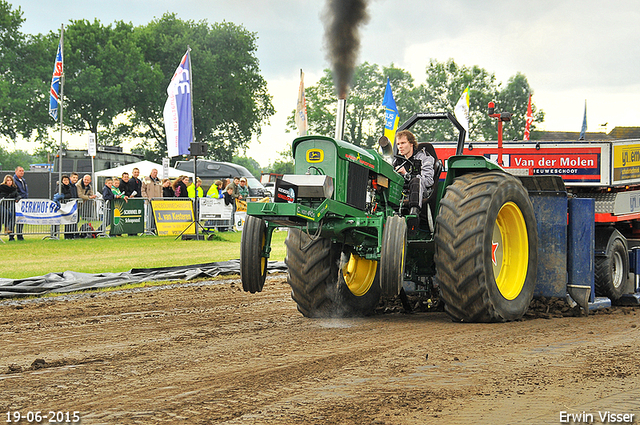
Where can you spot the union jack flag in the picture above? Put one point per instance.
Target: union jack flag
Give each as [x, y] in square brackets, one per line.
[54, 100]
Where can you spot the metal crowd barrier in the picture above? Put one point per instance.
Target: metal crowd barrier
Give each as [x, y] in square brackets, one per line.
[7, 216]
[91, 220]
[94, 219]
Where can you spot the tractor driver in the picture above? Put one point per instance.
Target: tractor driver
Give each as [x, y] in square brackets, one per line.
[416, 165]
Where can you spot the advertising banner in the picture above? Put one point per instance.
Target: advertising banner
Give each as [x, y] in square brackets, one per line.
[285, 192]
[239, 219]
[127, 217]
[214, 209]
[626, 162]
[173, 217]
[576, 164]
[44, 211]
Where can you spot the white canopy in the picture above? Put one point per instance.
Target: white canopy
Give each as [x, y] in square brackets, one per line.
[145, 168]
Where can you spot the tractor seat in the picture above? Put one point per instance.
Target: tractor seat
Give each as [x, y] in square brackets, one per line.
[431, 199]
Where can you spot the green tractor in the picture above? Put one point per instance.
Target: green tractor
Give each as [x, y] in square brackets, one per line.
[475, 249]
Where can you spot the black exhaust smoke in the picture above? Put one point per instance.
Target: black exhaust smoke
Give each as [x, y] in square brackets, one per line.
[342, 20]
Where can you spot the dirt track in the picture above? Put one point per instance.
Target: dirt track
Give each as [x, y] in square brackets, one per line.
[205, 354]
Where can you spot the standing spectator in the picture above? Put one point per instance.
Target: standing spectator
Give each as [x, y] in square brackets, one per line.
[115, 190]
[23, 192]
[215, 191]
[233, 190]
[62, 196]
[71, 230]
[73, 181]
[167, 190]
[135, 183]
[234, 185]
[191, 189]
[107, 194]
[8, 196]
[124, 185]
[228, 197]
[186, 182]
[175, 186]
[66, 188]
[85, 192]
[180, 187]
[152, 186]
[243, 195]
[243, 189]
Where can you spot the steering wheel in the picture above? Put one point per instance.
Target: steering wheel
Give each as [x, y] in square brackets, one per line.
[408, 165]
[405, 163]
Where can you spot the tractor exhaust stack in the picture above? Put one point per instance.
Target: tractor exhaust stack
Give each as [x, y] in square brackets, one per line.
[340, 118]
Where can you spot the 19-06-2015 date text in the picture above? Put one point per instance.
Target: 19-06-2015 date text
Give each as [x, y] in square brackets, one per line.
[49, 417]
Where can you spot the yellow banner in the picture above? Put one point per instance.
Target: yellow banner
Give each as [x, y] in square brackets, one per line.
[626, 156]
[173, 217]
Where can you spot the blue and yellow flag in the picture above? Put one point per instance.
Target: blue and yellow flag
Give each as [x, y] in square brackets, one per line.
[391, 116]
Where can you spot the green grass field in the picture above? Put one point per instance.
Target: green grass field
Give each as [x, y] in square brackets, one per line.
[35, 256]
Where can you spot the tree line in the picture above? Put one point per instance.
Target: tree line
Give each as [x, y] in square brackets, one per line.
[441, 90]
[116, 76]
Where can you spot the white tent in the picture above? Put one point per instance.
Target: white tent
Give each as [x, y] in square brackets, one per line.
[145, 168]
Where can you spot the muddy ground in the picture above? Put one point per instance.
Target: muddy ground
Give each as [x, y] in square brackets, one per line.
[209, 353]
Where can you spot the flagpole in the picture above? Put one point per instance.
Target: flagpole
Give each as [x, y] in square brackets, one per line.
[193, 127]
[60, 108]
[193, 139]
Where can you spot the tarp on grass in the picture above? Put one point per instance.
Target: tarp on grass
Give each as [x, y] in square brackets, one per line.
[70, 281]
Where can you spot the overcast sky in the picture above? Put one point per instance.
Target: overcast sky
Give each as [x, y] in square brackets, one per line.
[570, 51]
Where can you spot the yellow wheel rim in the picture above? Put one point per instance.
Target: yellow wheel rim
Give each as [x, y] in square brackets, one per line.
[359, 274]
[510, 251]
[263, 259]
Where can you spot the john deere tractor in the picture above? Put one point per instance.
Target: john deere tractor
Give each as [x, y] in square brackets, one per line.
[475, 249]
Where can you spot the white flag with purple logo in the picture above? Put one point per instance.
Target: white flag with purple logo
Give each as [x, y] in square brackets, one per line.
[178, 122]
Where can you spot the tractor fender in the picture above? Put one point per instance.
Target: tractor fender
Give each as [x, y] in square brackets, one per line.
[604, 237]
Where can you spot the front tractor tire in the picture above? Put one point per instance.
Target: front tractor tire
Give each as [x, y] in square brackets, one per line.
[486, 248]
[392, 255]
[327, 280]
[253, 265]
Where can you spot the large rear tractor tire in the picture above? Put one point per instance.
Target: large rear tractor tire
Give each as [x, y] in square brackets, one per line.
[486, 248]
[327, 280]
[253, 266]
[392, 255]
[612, 268]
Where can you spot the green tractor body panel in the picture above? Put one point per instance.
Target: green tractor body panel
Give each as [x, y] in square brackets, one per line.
[351, 215]
[366, 191]
[344, 161]
[463, 164]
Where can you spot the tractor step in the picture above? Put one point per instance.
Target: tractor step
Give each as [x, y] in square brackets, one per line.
[599, 303]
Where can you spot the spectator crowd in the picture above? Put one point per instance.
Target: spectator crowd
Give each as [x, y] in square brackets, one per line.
[234, 192]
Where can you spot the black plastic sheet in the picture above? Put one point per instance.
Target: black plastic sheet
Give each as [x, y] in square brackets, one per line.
[70, 281]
